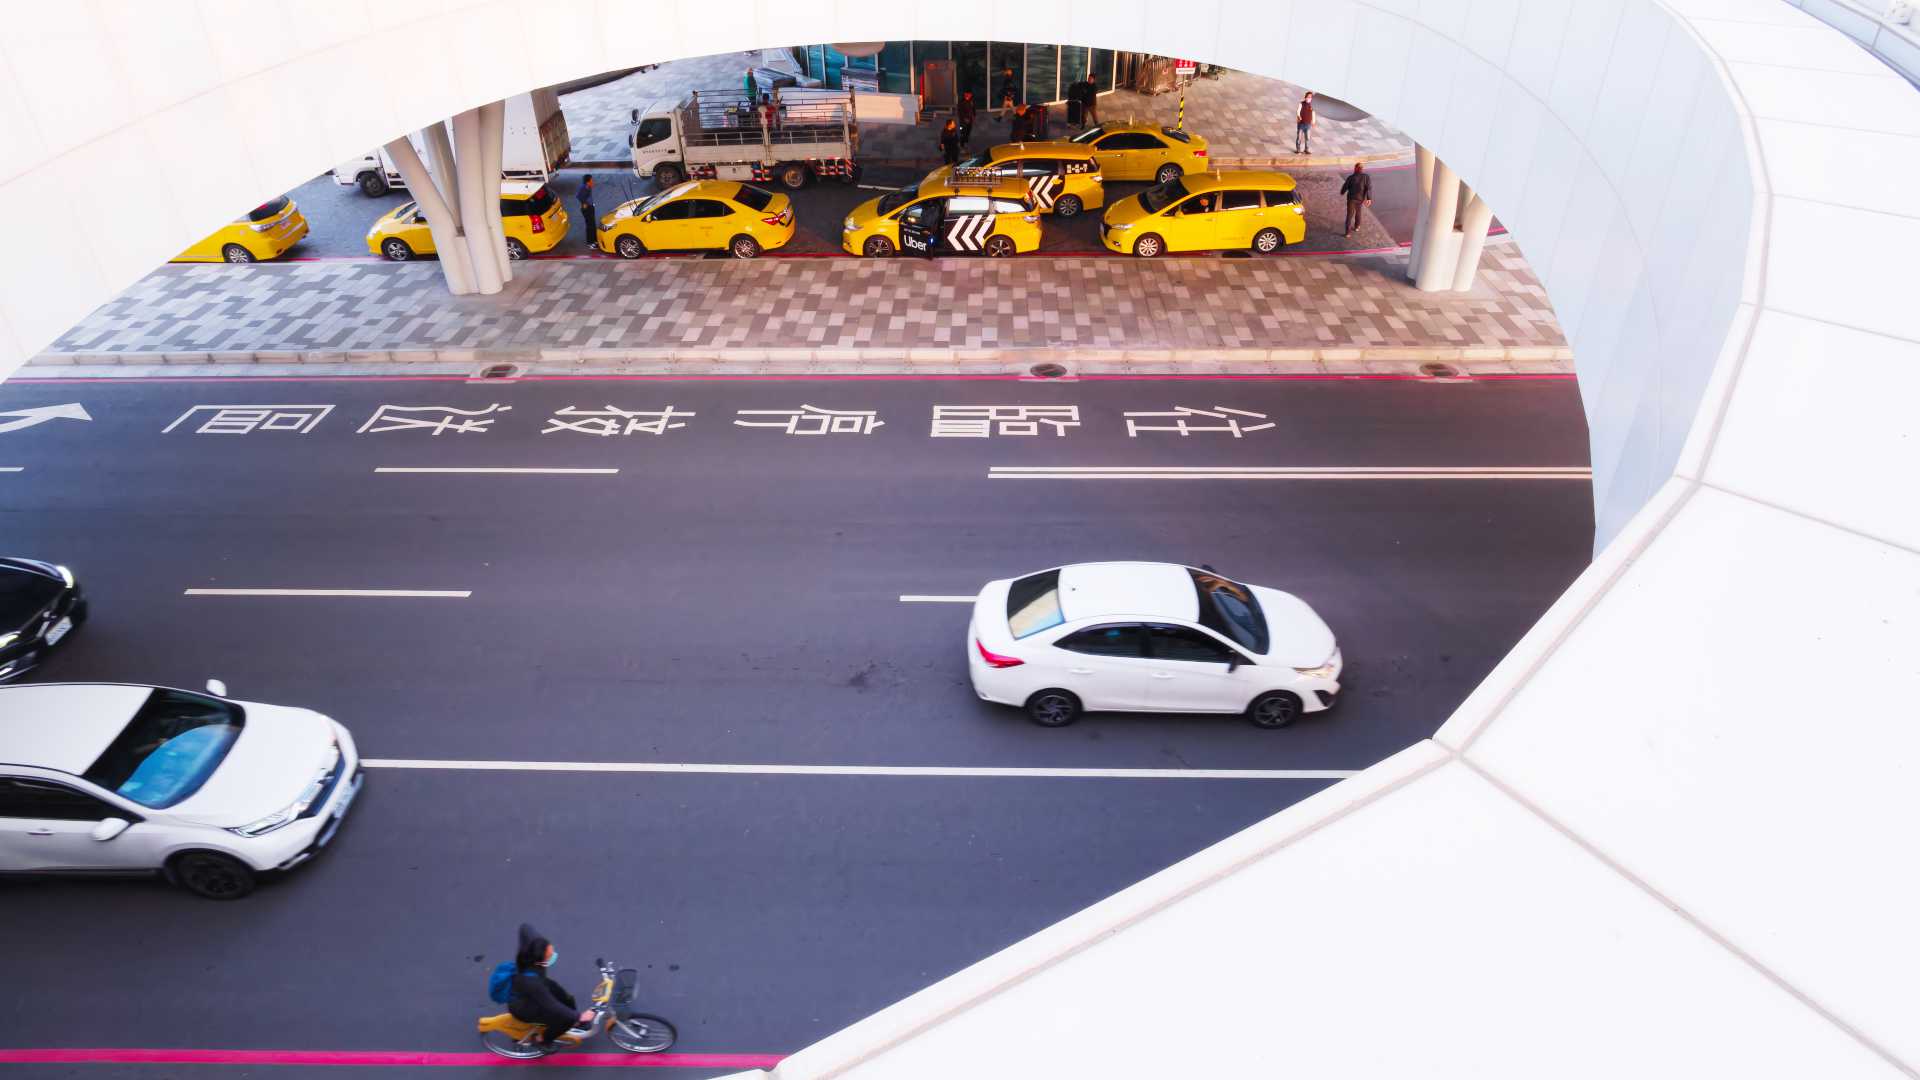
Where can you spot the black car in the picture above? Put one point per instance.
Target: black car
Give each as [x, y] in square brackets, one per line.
[40, 603]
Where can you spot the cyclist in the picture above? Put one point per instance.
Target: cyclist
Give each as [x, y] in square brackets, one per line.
[536, 998]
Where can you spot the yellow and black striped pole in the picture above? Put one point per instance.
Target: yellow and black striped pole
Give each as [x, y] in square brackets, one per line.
[1180, 119]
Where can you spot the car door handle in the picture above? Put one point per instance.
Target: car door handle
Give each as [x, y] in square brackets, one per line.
[39, 832]
[1079, 671]
[1161, 675]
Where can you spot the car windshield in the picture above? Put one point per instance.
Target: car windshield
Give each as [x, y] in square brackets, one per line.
[1033, 604]
[1089, 135]
[978, 161]
[268, 209]
[753, 198]
[894, 200]
[1230, 609]
[1160, 196]
[169, 748]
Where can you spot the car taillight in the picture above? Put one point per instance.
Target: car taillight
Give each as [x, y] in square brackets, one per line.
[780, 218]
[1199, 153]
[994, 659]
[539, 223]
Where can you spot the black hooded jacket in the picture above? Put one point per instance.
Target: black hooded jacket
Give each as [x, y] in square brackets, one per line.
[536, 998]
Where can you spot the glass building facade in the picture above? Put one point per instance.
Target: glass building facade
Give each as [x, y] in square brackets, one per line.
[1041, 73]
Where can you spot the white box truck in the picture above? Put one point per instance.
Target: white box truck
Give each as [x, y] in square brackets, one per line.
[791, 135]
[534, 145]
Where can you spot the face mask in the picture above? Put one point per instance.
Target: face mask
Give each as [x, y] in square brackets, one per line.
[552, 955]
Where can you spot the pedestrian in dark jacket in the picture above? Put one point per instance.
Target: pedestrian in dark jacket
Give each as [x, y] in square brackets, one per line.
[1008, 91]
[1303, 125]
[1358, 188]
[1017, 126]
[1090, 104]
[537, 999]
[963, 113]
[1037, 122]
[586, 209]
[950, 143]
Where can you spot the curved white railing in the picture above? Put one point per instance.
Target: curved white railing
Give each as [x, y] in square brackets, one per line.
[1873, 26]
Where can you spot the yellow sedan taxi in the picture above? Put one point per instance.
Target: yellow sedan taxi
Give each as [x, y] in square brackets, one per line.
[1209, 212]
[1061, 176]
[1144, 151]
[530, 213]
[266, 232]
[961, 213]
[700, 214]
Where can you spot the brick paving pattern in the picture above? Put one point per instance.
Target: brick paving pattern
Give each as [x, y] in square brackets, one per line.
[1033, 302]
[1242, 116]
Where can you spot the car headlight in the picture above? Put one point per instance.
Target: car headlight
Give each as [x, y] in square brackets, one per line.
[848, 227]
[1324, 671]
[291, 812]
[66, 575]
[9, 638]
[1117, 228]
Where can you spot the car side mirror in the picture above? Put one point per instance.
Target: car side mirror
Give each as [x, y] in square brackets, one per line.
[217, 688]
[110, 828]
[635, 113]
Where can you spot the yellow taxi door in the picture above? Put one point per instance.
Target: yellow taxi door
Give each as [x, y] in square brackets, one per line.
[704, 221]
[1240, 217]
[668, 228]
[1194, 223]
[1120, 155]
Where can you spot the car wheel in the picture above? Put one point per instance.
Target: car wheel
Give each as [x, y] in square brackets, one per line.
[234, 253]
[794, 176]
[1053, 708]
[999, 247]
[396, 249]
[1066, 206]
[877, 247]
[1149, 246]
[79, 613]
[666, 174]
[1168, 173]
[1274, 710]
[1268, 241]
[212, 875]
[744, 247]
[373, 185]
[516, 250]
[629, 247]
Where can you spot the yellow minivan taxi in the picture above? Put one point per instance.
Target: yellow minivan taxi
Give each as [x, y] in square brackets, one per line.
[1061, 176]
[530, 213]
[1144, 151]
[700, 214]
[1209, 212]
[960, 213]
[266, 232]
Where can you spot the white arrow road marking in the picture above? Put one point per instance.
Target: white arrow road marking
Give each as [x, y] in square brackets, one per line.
[449, 594]
[858, 770]
[911, 599]
[1332, 472]
[26, 418]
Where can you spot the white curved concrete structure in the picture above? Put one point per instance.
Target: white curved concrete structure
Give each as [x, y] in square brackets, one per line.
[1671, 835]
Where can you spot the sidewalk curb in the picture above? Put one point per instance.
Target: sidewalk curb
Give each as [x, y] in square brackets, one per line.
[1281, 161]
[1343, 361]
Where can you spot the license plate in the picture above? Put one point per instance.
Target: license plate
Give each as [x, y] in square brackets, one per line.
[340, 812]
[59, 631]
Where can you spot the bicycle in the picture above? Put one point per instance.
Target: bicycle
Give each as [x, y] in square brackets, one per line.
[636, 1033]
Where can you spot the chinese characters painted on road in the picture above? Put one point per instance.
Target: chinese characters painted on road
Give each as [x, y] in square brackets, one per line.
[1183, 421]
[246, 419]
[612, 421]
[434, 418]
[812, 420]
[981, 421]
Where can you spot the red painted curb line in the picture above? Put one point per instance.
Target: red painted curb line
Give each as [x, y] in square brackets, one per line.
[131, 1056]
[808, 377]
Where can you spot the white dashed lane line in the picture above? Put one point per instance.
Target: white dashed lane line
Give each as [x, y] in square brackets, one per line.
[857, 770]
[1332, 472]
[499, 471]
[434, 594]
[910, 599]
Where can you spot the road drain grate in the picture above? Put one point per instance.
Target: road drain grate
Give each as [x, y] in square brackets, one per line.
[1047, 371]
[500, 371]
[1439, 371]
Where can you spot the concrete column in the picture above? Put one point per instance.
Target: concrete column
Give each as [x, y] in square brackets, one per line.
[493, 126]
[1423, 160]
[445, 169]
[1473, 237]
[1437, 241]
[477, 190]
[454, 263]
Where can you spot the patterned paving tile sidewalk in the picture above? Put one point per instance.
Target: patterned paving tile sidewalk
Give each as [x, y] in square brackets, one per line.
[1033, 302]
[1243, 116]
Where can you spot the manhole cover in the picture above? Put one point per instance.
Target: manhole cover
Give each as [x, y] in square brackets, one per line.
[499, 371]
[1047, 371]
[1439, 371]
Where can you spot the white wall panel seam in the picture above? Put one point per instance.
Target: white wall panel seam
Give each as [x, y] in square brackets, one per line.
[1698, 922]
[1804, 515]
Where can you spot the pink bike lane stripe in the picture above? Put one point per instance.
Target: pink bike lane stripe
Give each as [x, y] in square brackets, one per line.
[373, 1058]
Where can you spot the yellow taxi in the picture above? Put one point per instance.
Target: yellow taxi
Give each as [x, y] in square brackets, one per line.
[963, 212]
[1060, 176]
[719, 214]
[266, 232]
[1144, 151]
[1208, 212]
[530, 213]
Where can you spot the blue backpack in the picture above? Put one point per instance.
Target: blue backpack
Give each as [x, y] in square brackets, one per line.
[500, 983]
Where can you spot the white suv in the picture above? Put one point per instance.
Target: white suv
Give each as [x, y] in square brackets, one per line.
[1149, 637]
[107, 777]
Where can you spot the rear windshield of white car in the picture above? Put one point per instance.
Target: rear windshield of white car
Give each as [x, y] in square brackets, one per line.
[1230, 609]
[169, 748]
[1033, 604]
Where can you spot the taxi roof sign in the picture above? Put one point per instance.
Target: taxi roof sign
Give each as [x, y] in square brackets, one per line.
[978, 177]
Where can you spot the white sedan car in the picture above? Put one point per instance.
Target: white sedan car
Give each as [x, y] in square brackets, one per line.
[1149, 637]
[105, 777]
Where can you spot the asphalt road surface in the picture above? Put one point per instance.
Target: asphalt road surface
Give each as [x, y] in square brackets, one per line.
[729, 596]
[338, 217]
